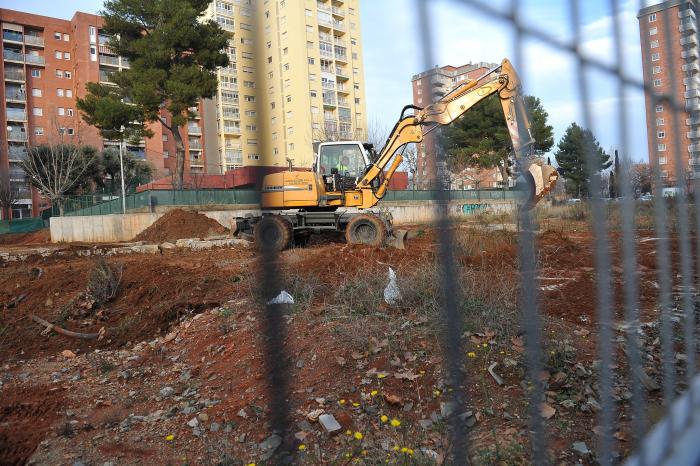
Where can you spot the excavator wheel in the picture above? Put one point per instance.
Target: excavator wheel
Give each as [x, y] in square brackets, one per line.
[366, 229]
[273, 232]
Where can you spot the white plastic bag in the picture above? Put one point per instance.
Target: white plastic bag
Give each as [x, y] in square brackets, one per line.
[392, 294]
[282, 298]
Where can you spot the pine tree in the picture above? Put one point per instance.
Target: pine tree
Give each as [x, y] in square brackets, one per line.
[571, 156]
[173, 57]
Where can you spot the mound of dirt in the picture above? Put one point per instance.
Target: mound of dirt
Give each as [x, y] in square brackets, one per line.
[35, 237]
[178, 224]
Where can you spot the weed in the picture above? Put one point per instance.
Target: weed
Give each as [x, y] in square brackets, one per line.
[103, 280]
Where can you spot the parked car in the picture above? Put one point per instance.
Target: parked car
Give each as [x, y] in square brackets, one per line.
[573, 201]
[646, 198]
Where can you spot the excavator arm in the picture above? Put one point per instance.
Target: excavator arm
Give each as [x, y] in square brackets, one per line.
[503, 81]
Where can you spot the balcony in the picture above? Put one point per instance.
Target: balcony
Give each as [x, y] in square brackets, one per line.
[692, 104]
[15, 95]
[691, 67]
[692, 93]
[12, 36]
[691, 53]
[325, 23]
[14, 75]
[194, 129]
[343, 103]
[230, 100]
[234, 157]
[325, 37]
[346, 135]
[195, 144]
[694, 148]
[328, 102]
[326, 54]
[338, 11]
[232, 130]
[109, 60]
[9, 55]
[689, 40]
[106, 49]
[345, 119]
[16, 114]
[693, 134]
[687, 13]
[15, 135]
[106, 77]
[692, 83]
[34, 41]
[330, 85]
[323, 7]
[34, 60]
[341, 57]
[692, 121]
[340, 42]
[224, 11]
[341, 73]
[17, 154]
[343, 89]
[125, 63]
[688, 26]
[339, 26]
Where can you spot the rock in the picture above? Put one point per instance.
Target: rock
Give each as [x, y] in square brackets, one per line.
[300, 364]
[165, 392]
[447, 408]
[194, 422]
[271, 443]
[204, 417]
[214, 427]
[242, 413]
[425, 423]
[581, 447]
[314, 415]
[167, 246]
[329, 423]
[68, 354]
[305, 426]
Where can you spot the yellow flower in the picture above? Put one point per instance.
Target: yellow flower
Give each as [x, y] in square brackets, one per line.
[422, 372]
[436, 392]
[364, 452]
[396, 448]
[410, 452]
[395, 422]
[250, 464]
[348, 432]
[356, 405]
[302, 447]
[170, 438]
[358, 435]
[404, 450]
[471, 354]
[384, 418]
[485, 345]
[381, 375]
[342, 402]
[374, 393]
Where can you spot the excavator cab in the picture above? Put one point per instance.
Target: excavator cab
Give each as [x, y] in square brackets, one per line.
[341, 164]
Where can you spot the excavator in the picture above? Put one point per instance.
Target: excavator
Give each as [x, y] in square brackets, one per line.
[349, 178]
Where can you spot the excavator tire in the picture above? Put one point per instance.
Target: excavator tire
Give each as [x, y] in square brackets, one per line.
[273, 232]
[366, 229]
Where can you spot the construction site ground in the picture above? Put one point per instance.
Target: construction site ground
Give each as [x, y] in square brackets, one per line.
[178, 373]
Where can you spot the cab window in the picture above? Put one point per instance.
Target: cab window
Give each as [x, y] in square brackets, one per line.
[347, 158]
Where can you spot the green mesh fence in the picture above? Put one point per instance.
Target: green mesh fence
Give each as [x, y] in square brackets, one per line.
[25, 225]
[105, 204]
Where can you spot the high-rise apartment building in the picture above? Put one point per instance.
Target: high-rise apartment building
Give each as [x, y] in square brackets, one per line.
[668, 67]
[429, 87]
[296, 70]
[46, 64]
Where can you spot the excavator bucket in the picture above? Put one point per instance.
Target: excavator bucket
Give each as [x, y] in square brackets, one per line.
[397, 239]
[540, 180]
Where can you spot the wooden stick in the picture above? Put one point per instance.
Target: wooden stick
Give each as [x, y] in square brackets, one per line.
[68, 333]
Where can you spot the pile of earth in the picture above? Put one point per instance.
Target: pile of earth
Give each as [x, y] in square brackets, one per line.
[42, 236]
[178, 224]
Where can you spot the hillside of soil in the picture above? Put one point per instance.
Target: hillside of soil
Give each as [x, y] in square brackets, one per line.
[178, 224]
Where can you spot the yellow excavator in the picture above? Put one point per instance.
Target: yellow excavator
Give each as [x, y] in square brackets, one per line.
[349, 178]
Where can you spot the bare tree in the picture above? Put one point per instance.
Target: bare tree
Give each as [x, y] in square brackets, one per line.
[8, 197]
[410, 163]
[57, 167]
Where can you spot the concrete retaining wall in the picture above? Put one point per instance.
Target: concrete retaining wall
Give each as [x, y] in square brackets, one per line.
[121, 228]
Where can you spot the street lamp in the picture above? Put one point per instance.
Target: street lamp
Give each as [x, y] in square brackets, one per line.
[122, 145]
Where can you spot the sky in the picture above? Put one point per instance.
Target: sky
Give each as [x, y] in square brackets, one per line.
[462, 33]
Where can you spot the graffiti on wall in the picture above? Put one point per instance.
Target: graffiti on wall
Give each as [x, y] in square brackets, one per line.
[469, 209]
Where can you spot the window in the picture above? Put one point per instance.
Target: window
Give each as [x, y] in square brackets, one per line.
[289, 115]
[253, 142]
[59, 73]
[655, 56]
[357, 101]
[69, 93]
[248, 55]
[312, 77]
[653, 31]
[37, 111]
[67, 74]
[36, 92]
[38, 131]
[246, 41]
[61, 111]
[652, 17]
[309, 28]
[660, 122]
[165, 138]
[248, 69]
[59, 92]
[66, 37]
[58, 55]
[656, 70]
[308, 12]
[662, 147]
[71, 131]
[269, 59]
[251, 128]
[66, 55]
[270, 75]
[290, 130]
[659, 108]
[354, 56]
[272, 105]
[287, 82]
[289, 98]
[309, 45]
[654, 44]
[657, 83]
[269, 45]
[249, 98]
[249, 84]
[314, 110]
[291, 146]
[313, 93]
[661, 134]
[285, 51]
[57, 35]
[662, 160]
[253, 157]
[246, 27]
[311, 61]
[166, 154]
[36, 73]
[355, 71]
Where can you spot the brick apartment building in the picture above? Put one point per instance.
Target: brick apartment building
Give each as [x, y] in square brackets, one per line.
[661, 66]
[429, 87]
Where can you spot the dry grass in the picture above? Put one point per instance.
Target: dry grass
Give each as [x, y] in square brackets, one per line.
[104, 280]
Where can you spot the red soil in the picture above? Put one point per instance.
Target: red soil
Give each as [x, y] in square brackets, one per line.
[177, 224]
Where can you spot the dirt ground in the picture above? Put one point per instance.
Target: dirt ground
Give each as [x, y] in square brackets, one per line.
[178, 375]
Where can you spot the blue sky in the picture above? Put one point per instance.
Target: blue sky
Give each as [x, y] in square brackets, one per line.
[393, 54]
